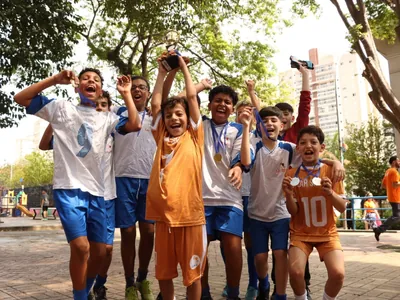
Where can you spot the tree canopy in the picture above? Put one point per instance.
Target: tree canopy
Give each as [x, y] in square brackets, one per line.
[36, 38]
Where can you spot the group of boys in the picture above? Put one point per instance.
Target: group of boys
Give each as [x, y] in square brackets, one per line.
[183, 172]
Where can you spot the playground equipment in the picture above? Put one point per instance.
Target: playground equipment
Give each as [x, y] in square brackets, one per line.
[24, 210]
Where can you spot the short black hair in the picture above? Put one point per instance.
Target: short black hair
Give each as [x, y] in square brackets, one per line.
[285, 106]
[97, 71]
[223, 89]
[108, 97]
[135, 77]
[172, 102]
[314, 130]
[44, 190]
[392, 159]
[270, 111]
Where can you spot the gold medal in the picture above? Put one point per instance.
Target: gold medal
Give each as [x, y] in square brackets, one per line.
[217, 157]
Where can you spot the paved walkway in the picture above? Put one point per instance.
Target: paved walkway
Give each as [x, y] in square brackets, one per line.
[34, 265]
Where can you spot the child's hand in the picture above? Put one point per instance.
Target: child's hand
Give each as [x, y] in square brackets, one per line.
[245, 117]
[286, 186]
[207, 83]
[65, 77]
[124, 84]
[250, 85]
[235, 175]
[161, 70]
[326, 184]
[303, 70]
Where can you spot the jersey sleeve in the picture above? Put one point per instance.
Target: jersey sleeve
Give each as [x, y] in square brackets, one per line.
[237, 145]
[158, 128]
[303, 113]
[45, 109]
[197, 130]
[338, 188]
[392, 176]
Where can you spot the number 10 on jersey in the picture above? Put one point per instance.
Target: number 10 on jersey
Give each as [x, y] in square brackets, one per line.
[318, 217]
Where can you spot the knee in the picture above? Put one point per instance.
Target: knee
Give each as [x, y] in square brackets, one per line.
[336, 275]
[129, 232]
[280, 255]
[109, 250]
[80, 249]
[296, 274]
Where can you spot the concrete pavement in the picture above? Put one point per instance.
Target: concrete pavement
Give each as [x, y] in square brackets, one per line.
[34, 265]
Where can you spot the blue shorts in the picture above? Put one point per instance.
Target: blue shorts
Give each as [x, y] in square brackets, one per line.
[246, 219]
[130, 206]
[81, 214]
[110, 211]
[260, 232]
[223, 219]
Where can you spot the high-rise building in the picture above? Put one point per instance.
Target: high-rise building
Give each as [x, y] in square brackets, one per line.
[339, 92]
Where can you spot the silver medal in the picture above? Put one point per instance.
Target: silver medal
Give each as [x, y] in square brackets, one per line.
[316, 181]
[295, 181]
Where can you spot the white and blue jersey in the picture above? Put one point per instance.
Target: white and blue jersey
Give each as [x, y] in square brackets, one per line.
[80, 136]
[268, 167]
[217, 191]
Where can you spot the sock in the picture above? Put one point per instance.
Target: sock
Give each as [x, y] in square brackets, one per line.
[80, 295]
[142, 275]
[130, 280]
[251, 268]
[326, 297]
[205, 291]
[233, 292]
[89, 284]
[263, 283]
[100, 281]
[302, 297]
[280, 297]
[222, 252]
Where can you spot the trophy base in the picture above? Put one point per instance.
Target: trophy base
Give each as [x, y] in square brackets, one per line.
[170, 63]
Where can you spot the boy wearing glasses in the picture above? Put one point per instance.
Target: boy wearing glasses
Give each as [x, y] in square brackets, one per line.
[133, 159]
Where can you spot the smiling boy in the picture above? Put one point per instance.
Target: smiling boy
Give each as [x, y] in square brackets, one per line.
[80, 135]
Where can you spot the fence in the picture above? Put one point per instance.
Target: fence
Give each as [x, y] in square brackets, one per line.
[350, 208]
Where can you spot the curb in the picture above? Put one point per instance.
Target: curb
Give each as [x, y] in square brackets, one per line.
[31, 228]
[363, 230]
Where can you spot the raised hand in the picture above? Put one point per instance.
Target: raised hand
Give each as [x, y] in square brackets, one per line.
[245, 117]
[65, 77]
[250, 85]
[124, 84]
[286, 186]
[207, 83]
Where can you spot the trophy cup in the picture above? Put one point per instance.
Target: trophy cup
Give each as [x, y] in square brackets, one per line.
[170, 61]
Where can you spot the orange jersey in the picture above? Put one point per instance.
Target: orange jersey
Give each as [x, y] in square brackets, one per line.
[391, 176]
[174, 194]
[370, 205]
[315, 218]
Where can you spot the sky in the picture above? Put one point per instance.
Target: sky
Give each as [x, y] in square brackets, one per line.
[327, 33]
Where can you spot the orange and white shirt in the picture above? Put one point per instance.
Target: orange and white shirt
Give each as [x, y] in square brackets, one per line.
[174, 194]
[370, 206]
[315, 218]
[393, 194]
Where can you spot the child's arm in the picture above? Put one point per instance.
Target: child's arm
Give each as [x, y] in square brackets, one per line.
[204, 84]
[338, 171]
[303, 112]
[168, 84]
[45, 142]
[191, 93]
[25, 96]
[245, 120]
[337, 201]
[156, 99]
[291, 204]
[124, 84]
[253, 97]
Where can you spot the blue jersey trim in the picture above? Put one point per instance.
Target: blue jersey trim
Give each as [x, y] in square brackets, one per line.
[120, 128]
[37, 103]
[121, 110]
[287, 147]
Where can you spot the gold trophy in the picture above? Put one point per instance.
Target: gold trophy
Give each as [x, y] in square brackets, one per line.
[170, 61]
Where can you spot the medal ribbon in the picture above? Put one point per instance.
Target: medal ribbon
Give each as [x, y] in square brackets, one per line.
[310, 173]
[86, 101]
[217, 137]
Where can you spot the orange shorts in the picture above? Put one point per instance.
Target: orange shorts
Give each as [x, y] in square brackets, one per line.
[184, 245]
[322, 247]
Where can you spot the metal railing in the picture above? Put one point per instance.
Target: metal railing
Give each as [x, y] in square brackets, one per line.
[352, 210]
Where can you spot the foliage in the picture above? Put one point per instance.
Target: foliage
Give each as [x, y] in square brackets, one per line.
[369, 148]
[36, 37]
[130, 36]
[35, 169]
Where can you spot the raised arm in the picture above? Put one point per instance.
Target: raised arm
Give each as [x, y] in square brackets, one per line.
[204, 84]
[124, 84]
[45, 142]
[191, 94]
[156, 99]
[25, 96]
[168, 84]
[253, 97]
[245, 120]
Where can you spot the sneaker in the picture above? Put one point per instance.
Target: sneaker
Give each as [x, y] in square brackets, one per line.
[159, 296]
[308, 293]
[225, 292]
[145, 290]
[44, 219]
[263, 295]
[251, 293]
[100, 293]
[131, 293]
[377, 234]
